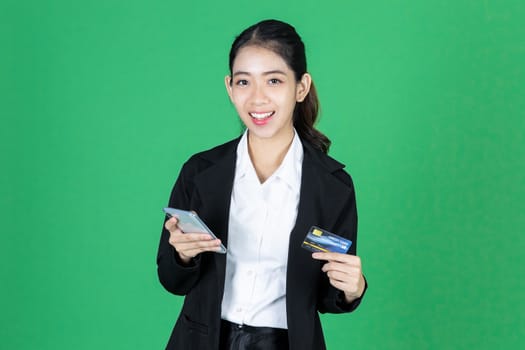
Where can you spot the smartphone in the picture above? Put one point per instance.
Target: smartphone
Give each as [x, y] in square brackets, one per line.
[190, 222]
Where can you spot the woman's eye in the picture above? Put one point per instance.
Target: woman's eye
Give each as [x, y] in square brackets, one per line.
[242, 82]
[274, 81]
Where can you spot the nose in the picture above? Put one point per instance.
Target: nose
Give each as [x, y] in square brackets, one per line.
[259, 96]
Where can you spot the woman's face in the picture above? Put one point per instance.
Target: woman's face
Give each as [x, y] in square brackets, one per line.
[264, 91]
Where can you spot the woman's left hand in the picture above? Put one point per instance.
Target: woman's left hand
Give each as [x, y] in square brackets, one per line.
[344, 272]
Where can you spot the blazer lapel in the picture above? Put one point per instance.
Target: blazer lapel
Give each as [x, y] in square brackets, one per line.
[319, 204]
[214, 186]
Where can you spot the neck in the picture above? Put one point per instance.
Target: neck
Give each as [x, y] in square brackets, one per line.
[268, 154]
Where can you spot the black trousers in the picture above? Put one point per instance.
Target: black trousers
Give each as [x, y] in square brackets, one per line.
[243, 337]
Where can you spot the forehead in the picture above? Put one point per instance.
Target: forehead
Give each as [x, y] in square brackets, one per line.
[256, 59]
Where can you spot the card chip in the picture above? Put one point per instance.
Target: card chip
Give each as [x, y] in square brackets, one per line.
[317, 232]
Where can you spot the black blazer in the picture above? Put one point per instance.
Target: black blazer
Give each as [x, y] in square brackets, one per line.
[204, 185]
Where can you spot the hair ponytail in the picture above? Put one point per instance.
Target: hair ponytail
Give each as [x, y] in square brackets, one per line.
[305, 117]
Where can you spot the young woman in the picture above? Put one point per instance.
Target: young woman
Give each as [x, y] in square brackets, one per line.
[260, 194]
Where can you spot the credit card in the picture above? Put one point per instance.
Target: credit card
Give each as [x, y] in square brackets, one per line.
[319, 240]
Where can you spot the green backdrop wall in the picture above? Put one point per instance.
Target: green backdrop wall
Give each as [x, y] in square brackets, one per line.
[102, 101]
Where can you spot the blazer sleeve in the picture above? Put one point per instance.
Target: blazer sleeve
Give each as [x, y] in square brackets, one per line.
[330, 298]
[175, 276]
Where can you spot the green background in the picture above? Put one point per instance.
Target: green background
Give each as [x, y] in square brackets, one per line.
[102, 101]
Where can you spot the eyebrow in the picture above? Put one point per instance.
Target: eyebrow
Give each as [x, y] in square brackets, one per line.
[276, 71]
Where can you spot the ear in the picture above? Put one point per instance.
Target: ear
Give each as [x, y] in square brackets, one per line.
[303, 87]
[228, 84]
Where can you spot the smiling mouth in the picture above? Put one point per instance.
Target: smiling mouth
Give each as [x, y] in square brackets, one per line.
[261, 116]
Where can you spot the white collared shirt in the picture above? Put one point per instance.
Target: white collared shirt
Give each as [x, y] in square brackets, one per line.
[262, 217]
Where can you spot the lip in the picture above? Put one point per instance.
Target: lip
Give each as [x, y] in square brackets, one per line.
[261, 118]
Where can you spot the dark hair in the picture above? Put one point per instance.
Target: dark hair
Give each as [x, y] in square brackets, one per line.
[282, 39]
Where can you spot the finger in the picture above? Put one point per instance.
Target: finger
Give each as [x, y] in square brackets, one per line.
[333, 256]
[198, 244]
[346, 268]
[343, 277]
[351, 287]
[179, 236]
[192, 251]
[171, 224]
[328, 256]
[345, 287]
[184, 247]
[339, 257]
[182, 241]
[195, 252]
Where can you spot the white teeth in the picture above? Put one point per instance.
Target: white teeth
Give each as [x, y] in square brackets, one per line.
[261, 115]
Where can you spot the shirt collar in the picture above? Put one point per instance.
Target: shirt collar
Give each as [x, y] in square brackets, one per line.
[290, 169]
[244, 163]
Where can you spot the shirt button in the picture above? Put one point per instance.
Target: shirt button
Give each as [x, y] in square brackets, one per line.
[239, 309]
[250, 272]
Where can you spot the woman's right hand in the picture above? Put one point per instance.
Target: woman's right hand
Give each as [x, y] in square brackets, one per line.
[189, 245]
